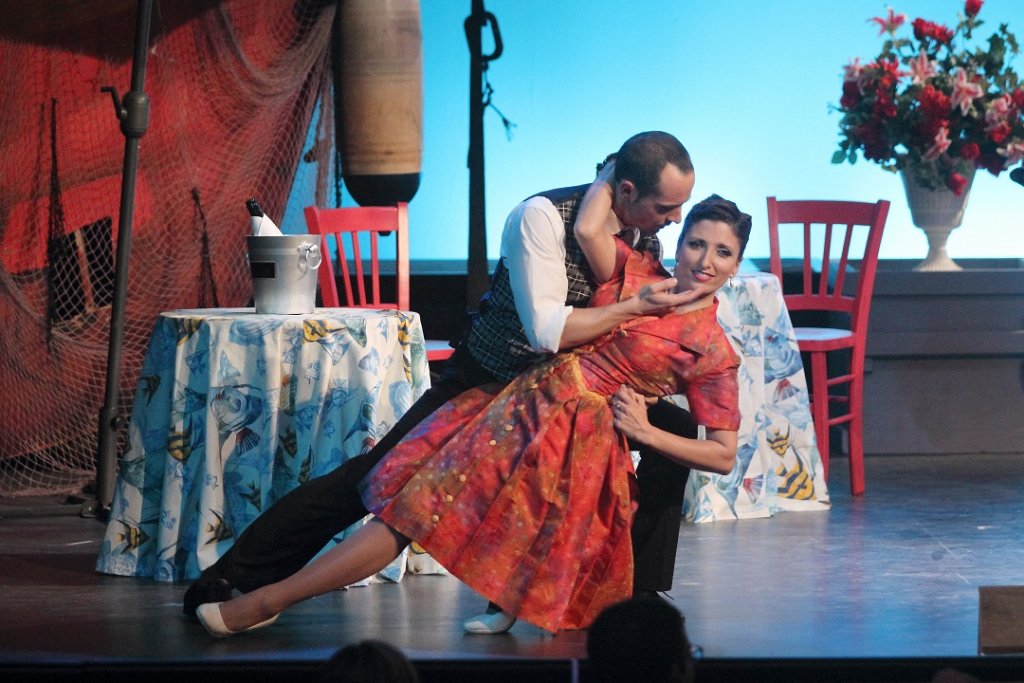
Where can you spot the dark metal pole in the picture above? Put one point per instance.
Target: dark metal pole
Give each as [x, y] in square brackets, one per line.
[133, 113]
[478, 275]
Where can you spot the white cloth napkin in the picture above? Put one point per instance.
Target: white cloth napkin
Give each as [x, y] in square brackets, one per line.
[262, 226]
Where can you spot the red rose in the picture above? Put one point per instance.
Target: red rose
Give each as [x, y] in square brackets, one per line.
[876, 145]
[991, 162]
[884, 107]
[920, 28]
[957, 183]
[972, 7]
[943, 34]
[890, 70]
[1018, 98]
[851, 95]
[970, 150]
[924, 133]
[929, 29]
[934, 103]
[999, 134]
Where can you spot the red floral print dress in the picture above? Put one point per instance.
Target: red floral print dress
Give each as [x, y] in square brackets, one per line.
[525, 492]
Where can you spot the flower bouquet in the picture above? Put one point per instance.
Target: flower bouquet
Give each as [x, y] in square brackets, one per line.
[934, 106]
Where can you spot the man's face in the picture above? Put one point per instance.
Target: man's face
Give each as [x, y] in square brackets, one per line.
[663, 206]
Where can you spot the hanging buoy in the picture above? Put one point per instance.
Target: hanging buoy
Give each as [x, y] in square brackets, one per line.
[378, 95]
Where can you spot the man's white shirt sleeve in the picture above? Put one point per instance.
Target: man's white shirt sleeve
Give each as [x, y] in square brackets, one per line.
[533, 246]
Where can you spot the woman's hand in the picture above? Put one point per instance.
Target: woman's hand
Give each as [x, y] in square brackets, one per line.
[606, 175]
[714, 453]
[629, 409]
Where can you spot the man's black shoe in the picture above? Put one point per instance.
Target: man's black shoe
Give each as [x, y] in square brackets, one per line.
[204, 590]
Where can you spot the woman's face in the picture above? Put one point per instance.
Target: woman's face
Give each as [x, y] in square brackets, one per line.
[707, 257]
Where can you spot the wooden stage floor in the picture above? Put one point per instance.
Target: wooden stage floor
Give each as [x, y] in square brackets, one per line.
[884, 585]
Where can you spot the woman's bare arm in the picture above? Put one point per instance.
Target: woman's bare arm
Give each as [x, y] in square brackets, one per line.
[715, 453]
[596, 225]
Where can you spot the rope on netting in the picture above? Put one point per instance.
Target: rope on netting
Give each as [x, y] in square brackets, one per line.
[55, 244]
[207, 283]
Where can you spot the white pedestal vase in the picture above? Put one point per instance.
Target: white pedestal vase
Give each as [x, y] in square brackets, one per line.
[937, 213]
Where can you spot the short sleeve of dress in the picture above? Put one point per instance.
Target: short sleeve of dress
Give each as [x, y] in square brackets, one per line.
[714, 399]
[713, 393]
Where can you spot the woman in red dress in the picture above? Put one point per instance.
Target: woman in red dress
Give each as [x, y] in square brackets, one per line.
[526, 492]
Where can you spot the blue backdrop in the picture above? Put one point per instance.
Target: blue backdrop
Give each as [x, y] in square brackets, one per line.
[746, 86]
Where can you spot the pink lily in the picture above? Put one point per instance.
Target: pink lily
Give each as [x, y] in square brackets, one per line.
[922, 68]
[1013, 152]
[939, 145]
[890, 22]
[853, 70]
[964, 91]
[998, 110]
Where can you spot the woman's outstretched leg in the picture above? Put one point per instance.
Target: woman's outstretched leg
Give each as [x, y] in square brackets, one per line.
[371, 548]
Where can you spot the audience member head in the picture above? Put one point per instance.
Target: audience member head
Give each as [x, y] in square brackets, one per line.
[640, 640]
[953, 676]
[369, 661]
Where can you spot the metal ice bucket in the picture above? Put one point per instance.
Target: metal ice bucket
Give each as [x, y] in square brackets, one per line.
[284, 273]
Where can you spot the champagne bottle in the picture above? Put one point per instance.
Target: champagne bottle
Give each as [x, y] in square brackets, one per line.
[259, 221]
[254, 207]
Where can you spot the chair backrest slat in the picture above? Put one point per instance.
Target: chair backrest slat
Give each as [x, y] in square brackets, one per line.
[844, 259]
[375, 266]
[825, 291]
[341, 256]
[355, 223]
[826, 249]
[808, 269]
[357, 261]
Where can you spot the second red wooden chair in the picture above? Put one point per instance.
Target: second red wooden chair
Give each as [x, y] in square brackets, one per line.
[837, 238]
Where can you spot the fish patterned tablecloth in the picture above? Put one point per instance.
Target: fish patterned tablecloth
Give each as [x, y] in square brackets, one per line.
[233, 410]
[778, 466]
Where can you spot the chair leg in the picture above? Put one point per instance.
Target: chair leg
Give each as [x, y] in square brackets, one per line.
[819, 406]
[856, 427]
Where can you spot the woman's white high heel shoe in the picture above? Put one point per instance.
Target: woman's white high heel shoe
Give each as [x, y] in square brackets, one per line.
[491, 622]
[210, 617]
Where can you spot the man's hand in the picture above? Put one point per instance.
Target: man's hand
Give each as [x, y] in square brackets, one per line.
[658, 297]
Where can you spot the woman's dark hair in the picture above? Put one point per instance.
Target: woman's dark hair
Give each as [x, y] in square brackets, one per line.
[369, 661]
[642, 158]
[716, 208]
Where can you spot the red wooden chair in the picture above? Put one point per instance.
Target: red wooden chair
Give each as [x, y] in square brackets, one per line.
[362, 289]
[827, 230]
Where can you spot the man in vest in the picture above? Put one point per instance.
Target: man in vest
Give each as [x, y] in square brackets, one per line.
[537, 305]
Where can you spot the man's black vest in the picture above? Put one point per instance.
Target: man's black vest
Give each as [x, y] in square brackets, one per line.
[496, 339]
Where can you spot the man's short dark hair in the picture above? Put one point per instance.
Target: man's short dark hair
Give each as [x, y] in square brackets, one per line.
[642, 158]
